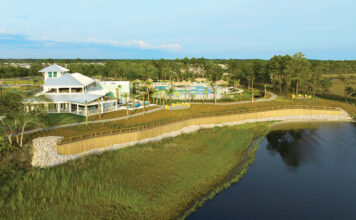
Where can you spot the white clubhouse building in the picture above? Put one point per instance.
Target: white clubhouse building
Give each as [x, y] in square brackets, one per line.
[79, 94]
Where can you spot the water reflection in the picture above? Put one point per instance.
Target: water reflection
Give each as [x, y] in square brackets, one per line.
[297, 174]
[285, 143]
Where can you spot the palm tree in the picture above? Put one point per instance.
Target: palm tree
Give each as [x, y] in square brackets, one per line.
[154, 92]
[143, 89]
[86, 113]
[189, 95]
[212, 85]
[265, 90]
[125, 95]
[207, 94]
[99, 108]
[148, 98]
[118, 92]
[160, 97]
[193, 96]
[133, 97]
[252, 95]
[171, 91]
[166, 92]
[148, 87]
[185, 94]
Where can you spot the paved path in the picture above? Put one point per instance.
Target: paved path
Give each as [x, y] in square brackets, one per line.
[273, 96]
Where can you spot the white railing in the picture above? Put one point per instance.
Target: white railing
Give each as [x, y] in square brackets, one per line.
[82, 111]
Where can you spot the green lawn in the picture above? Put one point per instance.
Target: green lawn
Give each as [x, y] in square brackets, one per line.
[64, 118]
[153, 181]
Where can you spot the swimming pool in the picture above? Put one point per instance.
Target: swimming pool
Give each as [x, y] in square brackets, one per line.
[195, 90]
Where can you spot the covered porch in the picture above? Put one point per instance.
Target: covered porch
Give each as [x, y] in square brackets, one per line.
[92, 108]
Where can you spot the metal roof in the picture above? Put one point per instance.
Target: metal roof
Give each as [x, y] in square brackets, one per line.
[89, 96]
[82, 79]
[69, 80]
[54, 68]
[64, 80]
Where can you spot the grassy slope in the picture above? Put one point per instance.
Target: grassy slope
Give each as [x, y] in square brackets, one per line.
[152, 181]
[64, 118]
[195, 109]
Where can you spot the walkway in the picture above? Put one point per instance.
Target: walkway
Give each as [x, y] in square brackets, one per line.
[273, 96]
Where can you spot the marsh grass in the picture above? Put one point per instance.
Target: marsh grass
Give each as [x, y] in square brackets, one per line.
[152, 181]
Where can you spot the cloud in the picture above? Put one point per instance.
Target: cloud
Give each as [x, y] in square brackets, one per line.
[143, 45]
[20, 40]
[22, 46]
[138, 44]
[99, 41]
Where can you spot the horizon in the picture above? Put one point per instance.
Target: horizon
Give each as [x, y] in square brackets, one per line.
[162, 30]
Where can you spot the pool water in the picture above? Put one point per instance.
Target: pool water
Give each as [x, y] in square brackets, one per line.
[195, 90]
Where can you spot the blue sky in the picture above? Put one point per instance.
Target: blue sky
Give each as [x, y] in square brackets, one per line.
[321, 29]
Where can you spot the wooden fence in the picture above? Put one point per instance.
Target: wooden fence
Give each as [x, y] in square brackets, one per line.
[184, 118]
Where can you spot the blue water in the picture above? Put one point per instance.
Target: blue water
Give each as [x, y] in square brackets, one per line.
[305, 174]
[196, 90]
[137, 104]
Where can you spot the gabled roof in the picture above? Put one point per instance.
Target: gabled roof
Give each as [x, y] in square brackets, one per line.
[54, 68]
[89, 96]
[82, 79]
[64, 80]
[69, 80]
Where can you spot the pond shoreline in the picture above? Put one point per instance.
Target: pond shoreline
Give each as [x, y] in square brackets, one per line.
[309, 155]
[232, 178]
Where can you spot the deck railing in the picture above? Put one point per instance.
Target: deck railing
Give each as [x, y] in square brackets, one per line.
[150, 125]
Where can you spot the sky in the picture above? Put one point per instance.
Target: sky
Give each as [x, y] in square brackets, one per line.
[154, 29]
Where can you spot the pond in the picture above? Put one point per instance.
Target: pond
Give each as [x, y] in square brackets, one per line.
[297, 174]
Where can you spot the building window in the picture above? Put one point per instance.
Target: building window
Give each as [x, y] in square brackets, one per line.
[54, 74]
[49, 74]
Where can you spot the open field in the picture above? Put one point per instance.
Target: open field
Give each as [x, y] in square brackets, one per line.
[152, 181]
[22, 80]
[337, 86]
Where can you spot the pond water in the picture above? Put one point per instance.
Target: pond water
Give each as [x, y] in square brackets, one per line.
[297, 174]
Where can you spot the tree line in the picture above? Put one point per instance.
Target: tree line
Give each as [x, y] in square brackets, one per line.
[288, 73]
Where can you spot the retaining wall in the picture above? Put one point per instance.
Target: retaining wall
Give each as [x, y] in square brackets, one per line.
[122, 138]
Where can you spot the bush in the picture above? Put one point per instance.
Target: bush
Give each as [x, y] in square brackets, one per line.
[6, 148]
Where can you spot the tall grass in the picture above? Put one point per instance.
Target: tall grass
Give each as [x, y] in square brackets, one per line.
[152, 181]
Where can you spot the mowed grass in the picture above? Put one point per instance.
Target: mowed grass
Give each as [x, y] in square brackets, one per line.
[152, 181]
[120, 113]
[64, 118]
